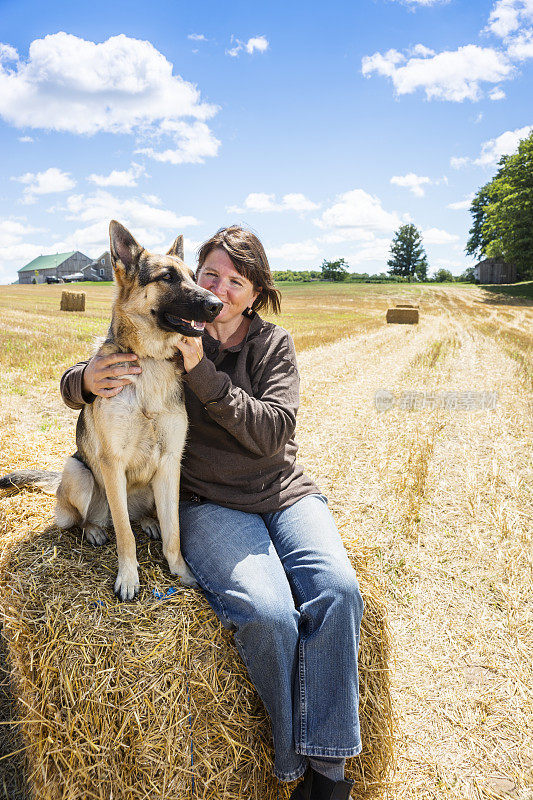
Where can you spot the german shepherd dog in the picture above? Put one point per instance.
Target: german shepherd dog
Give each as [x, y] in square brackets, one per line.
[129, 446]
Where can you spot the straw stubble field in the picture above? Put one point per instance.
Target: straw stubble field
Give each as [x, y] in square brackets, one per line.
[438, 497]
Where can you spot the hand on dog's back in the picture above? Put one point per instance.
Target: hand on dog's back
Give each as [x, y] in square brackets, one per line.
[104, 376]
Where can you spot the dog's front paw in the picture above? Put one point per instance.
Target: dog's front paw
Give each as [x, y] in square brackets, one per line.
[151, 527]
[127, 583]
[95, 534]
[179, 568]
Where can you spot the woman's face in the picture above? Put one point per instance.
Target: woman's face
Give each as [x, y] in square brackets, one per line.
[220, 276]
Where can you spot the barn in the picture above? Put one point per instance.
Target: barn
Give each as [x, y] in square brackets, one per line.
[495, 270]
[57, 266]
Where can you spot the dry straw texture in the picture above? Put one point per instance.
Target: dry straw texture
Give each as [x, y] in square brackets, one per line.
[405, 315]
[72, 301]
[441, 495]
[150, 699]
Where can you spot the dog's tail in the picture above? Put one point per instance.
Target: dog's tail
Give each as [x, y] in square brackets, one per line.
[41, 479]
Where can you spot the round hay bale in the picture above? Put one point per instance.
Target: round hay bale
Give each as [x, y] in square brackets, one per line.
[72, 301]
[151, 699]
[404, 315]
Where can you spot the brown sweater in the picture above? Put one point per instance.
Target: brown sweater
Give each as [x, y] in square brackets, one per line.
[241, 403]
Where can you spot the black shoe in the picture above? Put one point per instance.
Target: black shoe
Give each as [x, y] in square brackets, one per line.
[317, 787]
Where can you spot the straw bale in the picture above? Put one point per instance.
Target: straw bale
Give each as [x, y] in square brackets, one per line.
[151, 699]
[72, 301]
[404, 315]
[407, 305]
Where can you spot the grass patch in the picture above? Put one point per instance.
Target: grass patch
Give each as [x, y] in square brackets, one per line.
[524, 289]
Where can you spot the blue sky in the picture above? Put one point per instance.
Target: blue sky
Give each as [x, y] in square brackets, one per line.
[322, 126]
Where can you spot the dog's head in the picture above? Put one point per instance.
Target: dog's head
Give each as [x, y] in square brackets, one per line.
[161, 286]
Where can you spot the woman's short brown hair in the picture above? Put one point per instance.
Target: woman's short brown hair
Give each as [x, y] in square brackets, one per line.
[248, 256]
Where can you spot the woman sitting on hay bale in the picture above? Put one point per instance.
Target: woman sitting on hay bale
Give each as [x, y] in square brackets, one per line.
[255, 530]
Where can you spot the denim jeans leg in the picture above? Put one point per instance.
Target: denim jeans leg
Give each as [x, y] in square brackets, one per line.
[325, 585]
[232, 556]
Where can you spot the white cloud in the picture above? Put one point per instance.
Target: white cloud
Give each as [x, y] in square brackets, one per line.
[497, 94]
[460, 205]
[153, 227]
[451, 75]
[8, 53]
[521, 46]
[197, 37]
[376, 250]
[13, 231]
[295, 251]
[260, 202]
[50, 181]
[347, 235]
[121, 85]
[457, 162]
[102, 206]
[119, 177]
[255, 43]
[15, 249]
[26, 139]
[421, 50]
[296, 201]
[412, 182]
[358, 210]
[508, 15]
[259, 43]
[438, 236]
[195, 142]
[502, 145]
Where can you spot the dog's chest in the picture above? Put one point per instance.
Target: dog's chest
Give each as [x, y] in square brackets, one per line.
[146, 419]
[156, 391]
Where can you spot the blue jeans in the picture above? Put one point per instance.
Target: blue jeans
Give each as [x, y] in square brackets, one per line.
[282, 582]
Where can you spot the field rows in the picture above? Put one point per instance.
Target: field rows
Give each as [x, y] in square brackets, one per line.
[441, 495]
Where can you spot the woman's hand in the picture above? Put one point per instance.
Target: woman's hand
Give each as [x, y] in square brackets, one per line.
[192, 350]
[100, 376]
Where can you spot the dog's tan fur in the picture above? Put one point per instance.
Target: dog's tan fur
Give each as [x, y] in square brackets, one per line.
[130, 445]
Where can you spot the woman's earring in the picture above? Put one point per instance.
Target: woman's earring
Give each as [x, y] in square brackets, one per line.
[248, 313]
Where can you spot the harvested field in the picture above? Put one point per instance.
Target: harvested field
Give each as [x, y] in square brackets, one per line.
[434, 481]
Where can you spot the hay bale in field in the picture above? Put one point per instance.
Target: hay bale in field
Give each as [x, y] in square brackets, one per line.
[151, 699]
[406, 305]
[404, 315]
[72, 301]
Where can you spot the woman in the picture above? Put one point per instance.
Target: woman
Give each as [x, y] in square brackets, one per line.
[255, 530]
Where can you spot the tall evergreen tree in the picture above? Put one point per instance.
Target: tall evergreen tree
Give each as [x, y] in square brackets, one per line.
[408, 257]
[503, 212]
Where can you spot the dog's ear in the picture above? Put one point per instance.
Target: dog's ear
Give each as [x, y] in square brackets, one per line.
[177, 248]
[125, 251]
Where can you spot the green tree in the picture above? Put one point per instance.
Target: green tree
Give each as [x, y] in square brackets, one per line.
[334, 270]
[477, 243]
[468, 275]
[503, 212]
[442, 275]
[408, 257]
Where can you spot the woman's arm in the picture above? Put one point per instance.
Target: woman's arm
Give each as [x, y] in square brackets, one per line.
[264, 423]
[81, 383]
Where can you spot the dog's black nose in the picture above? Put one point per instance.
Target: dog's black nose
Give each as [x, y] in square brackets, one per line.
[212, 305]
